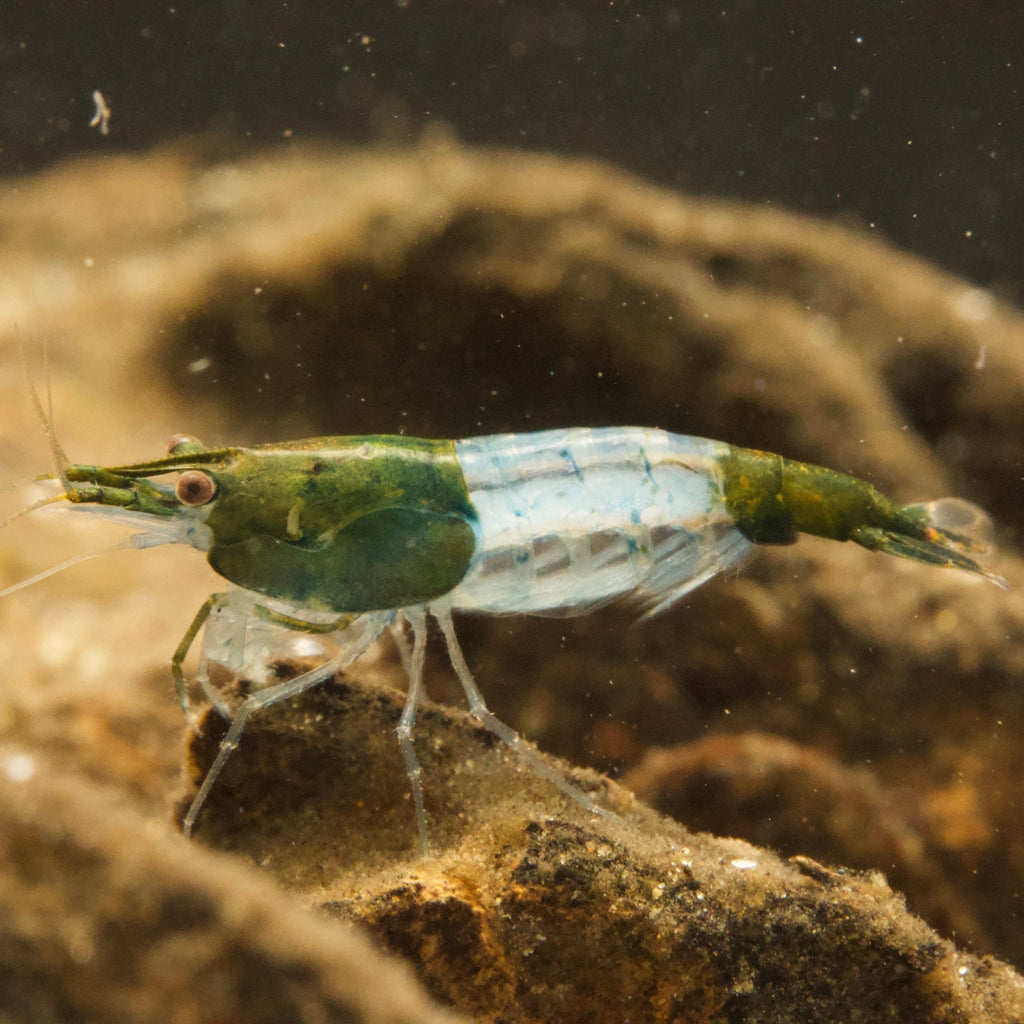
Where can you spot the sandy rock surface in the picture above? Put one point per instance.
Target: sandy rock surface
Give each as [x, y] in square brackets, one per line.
[858, 715]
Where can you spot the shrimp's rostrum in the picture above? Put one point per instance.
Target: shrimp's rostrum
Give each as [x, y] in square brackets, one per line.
[356, 535]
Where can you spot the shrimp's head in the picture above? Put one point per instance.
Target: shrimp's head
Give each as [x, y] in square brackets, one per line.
[341, 524]
[134, 495]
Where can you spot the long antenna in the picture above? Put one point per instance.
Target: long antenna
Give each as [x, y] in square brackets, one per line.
[31, 508]
[60, 459]
[124, 542]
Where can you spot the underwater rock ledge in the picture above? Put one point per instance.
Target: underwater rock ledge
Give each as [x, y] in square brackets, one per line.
[531, 910]
[444, 290]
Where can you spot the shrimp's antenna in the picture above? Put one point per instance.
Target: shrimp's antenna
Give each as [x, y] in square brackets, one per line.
[124, 542]
[53, 498]
[59, 455]
[60, 460]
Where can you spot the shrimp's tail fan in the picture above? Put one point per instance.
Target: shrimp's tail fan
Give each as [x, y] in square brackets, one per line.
[951, 532]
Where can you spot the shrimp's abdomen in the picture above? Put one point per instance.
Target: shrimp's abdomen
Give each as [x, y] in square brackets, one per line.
[570, 519]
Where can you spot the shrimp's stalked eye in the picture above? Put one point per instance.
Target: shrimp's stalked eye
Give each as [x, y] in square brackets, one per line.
[181, 444]
[195, 488]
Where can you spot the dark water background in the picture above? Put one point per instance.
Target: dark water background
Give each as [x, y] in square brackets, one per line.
[904, 116]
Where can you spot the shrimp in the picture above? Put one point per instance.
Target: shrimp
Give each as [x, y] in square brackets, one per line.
[353, 536]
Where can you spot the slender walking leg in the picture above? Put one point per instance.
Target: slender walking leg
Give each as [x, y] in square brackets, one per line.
[374, 626]
[478, 708]
[414, 668]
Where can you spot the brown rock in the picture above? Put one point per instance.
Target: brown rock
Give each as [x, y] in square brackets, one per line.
[446, 292]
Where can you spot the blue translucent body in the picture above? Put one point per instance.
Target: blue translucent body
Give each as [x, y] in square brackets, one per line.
[571, 519]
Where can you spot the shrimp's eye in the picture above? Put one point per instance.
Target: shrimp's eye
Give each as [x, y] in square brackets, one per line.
[195, 488]
[180, 444]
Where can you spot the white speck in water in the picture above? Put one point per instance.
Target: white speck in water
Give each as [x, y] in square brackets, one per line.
[101, 119]
[743, 864]
[19, 767]
[199, 365]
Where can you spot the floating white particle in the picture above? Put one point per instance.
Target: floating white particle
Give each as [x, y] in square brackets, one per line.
[101, 119]
[743, 864]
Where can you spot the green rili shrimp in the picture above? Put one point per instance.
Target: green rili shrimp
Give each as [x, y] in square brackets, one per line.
[352, 536]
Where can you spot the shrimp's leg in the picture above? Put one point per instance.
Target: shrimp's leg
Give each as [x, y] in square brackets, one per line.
[402, 643]
[479, 710]
[414, 669]
[181, 652]
[221, 603]
[373, 625]
[214, 604]
[211, 692]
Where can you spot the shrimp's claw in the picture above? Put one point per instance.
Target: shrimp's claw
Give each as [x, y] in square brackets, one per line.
[947, 529]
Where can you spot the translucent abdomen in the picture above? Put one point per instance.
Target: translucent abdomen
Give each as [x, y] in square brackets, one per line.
[570, 519]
